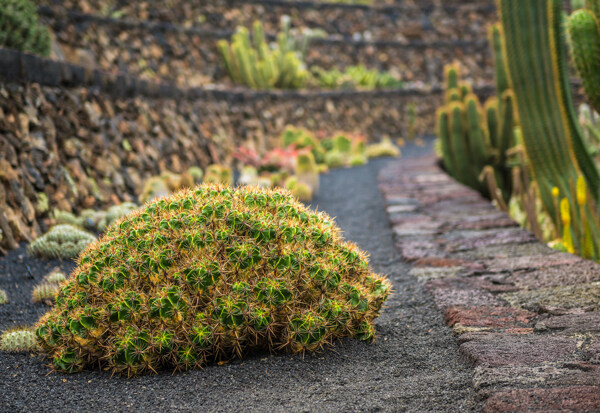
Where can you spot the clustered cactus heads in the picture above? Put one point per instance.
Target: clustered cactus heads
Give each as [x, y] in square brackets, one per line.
[62, 241]
[254, 63]
[211, 274]
[18, 340]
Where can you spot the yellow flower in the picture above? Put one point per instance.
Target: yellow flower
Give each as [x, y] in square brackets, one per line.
[565, 211]
[555, 192]
[581, 191]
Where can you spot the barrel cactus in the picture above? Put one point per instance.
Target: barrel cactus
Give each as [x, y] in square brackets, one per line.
[210, 274]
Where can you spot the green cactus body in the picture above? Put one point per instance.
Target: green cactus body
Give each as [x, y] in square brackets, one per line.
[458, 143]
[253, 63]
[536, 61]
[501, 76]
[18, 340]
[3, 297]
[62, 241]
[477, 144]
[211, 274]
[584, 35]
[443, 132]
[452, 77]
[307, 172]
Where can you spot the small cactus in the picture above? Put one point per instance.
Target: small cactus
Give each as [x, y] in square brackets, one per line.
[20, 28]
[3, 297]
[383, 149]
[62, 241]
[45, 292]
[307, 171]
[300, 190]
[335, 159]
[56, 276]
[18, 340]
[218, 174]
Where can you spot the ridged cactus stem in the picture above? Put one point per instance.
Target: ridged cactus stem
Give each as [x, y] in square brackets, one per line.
[535, 53]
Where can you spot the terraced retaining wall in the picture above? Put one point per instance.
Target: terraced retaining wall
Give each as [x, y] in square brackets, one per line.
[85, 138]
[403, 22]
[527, 317]
[190, 57]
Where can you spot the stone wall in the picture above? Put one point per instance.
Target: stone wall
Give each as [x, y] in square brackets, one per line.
[403, 22]
[189, 57]
[84, 138]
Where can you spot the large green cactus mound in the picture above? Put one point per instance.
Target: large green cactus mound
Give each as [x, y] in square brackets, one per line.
[211, 274]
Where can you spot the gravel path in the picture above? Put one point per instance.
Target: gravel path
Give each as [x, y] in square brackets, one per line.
[412, 366]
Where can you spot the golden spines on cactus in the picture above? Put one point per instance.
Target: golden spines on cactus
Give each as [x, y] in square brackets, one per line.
[211, 274]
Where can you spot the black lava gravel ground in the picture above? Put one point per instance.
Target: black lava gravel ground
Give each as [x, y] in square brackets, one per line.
[412, 366]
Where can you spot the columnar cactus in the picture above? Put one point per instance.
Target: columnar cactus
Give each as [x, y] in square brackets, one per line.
[533, 34]
[584, 35]
[255, 64]
[472, 138]
[211, 274]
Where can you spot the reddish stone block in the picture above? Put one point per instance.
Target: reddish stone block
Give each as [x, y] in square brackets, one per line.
[572, 323]
[495, 317]
[496, 349]
[531, 262]
[414, 250]
[439, 262]
[449, 292]
[571, 399]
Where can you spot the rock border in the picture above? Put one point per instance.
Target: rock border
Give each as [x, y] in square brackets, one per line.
[525, 316]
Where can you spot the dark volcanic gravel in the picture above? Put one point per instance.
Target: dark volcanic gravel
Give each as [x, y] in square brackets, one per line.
[412, 366]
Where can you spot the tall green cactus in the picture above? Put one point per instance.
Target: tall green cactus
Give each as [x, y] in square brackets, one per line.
[255, 64]
[472, 138]
[584, 35]
[534, 44]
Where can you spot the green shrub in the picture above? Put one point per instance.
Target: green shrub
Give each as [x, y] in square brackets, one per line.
[211, 274]
[20, 28]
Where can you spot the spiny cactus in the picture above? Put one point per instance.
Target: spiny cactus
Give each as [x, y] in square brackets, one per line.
[584, 36]
[382, 149]
[218, 174]
[471, 137]
[20, 28]
[62, 241]
[299, 190]
[56, 276]
[18, 340]
[307, 171]
[45, 292]
[211, 274]
[113, 213]
[533, 31]
[256, 65]
[3, 297]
